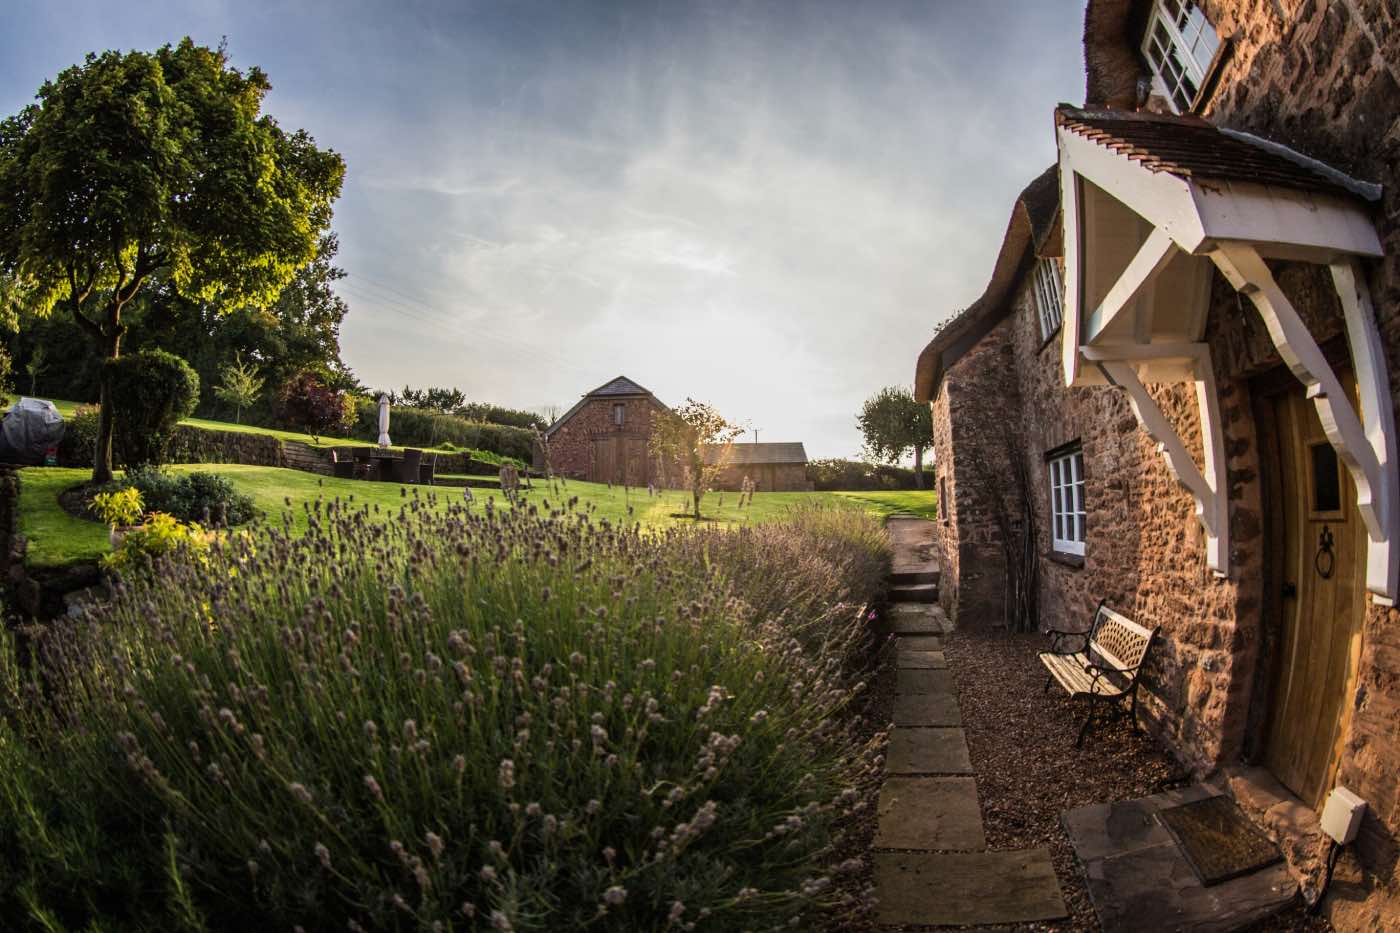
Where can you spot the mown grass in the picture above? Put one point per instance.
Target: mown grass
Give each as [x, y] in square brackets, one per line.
[55, 537]
[920, 502]
[453, 720]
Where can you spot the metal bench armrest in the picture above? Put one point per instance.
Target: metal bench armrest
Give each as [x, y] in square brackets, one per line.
[1056, 636]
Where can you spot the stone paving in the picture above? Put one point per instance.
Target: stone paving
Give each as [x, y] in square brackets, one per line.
[932, 867]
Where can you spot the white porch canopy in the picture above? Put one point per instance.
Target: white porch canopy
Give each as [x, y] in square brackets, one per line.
[1150, 202]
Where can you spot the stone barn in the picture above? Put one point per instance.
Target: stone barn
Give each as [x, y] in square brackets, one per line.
[775, 467]
[603, 438]
[1177, 394]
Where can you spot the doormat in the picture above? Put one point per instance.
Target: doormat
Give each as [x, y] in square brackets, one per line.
[1218, 839]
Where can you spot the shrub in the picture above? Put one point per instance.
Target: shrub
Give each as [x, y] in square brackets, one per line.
[409, 426]
[151, 391]
[160, 536]
[306, 403]
[829, 475]
[192, 497]
[119, 506]
[541, 723]
[79, 437]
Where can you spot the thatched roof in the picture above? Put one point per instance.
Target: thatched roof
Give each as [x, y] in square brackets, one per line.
[1032, 230]
[1111, 63]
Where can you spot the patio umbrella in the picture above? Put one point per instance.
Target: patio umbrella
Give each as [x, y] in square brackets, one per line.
[383, 421]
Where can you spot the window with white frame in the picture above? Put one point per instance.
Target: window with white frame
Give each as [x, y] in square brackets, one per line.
[619, 414]
[1067, 501]
[1049, 297]
[1180, 44]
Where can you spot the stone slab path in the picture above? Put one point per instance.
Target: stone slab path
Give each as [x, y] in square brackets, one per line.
[932, 867]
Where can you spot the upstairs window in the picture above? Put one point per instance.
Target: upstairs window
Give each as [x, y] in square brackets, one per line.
[1048, 296]
[1180, 45]
[619, 414]
[1067, 502]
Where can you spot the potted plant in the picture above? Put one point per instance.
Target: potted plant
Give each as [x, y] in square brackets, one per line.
[121, 509]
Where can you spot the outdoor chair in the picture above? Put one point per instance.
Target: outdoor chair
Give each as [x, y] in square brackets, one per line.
[364, 463]
[342, 469]
[427, 470]
[1106, 666]
[406, 469]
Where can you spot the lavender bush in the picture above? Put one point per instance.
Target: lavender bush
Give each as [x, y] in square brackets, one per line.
[500, 720]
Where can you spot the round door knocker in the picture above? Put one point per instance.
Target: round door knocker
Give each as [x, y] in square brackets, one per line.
[1326, 559]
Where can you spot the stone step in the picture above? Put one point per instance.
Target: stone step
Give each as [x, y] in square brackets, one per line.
[930, 813]
[914, 593]
[924, 750]
[920, 643]
[911, 682]
[915, 575]
[967, 888]
[921, 660]
[927, 709]
[910, 623]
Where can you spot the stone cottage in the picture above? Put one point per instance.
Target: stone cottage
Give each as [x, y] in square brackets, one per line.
[1175, 394]
[603, 438]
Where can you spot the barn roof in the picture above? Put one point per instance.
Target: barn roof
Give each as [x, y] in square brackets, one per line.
[621, 387]
[752, 454]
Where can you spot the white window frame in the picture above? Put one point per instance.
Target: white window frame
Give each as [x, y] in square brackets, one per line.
[1180, 43]
[1068, 519]
[1049, 296]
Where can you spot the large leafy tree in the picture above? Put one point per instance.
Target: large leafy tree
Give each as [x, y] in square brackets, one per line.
[699, 439]
[893, 424]
[135, 166]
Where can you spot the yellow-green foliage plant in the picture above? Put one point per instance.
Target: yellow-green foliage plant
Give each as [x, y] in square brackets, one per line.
[120, 507]
[161, 534]
[461, 719]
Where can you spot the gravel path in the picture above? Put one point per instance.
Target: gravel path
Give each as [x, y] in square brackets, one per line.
[1028, 770]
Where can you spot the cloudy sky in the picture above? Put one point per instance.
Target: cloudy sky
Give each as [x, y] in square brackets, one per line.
[765, 205]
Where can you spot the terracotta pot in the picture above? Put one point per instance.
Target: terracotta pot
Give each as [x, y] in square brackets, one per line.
[118, 533]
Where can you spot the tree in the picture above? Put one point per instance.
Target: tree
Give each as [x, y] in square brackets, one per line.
[135, 166]
[307, 402]
[699, 439]
[35, 367]
[240, 387]
[893, 423]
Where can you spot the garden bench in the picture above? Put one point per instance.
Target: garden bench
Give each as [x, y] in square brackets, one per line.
[1106, 665]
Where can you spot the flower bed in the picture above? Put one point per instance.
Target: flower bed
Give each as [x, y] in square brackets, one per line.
[452, 720]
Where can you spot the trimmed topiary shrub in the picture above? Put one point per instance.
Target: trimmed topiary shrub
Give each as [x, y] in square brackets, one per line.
[201, 497]
[151, 391]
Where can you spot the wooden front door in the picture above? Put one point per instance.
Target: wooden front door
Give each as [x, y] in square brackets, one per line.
[1321, 567]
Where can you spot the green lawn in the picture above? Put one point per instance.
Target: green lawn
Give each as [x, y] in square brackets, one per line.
[920, 502]
[55, 537]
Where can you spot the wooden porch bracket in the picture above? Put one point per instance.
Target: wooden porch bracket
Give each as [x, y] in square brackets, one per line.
[1365, 440]
[1206, 487]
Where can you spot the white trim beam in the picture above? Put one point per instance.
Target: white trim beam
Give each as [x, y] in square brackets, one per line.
[1365, 442]
[1207, 487]
[1151, 258]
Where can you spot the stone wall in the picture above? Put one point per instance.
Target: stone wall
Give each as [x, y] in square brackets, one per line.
[1324, 77]
[571, 446]
[975, 406]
